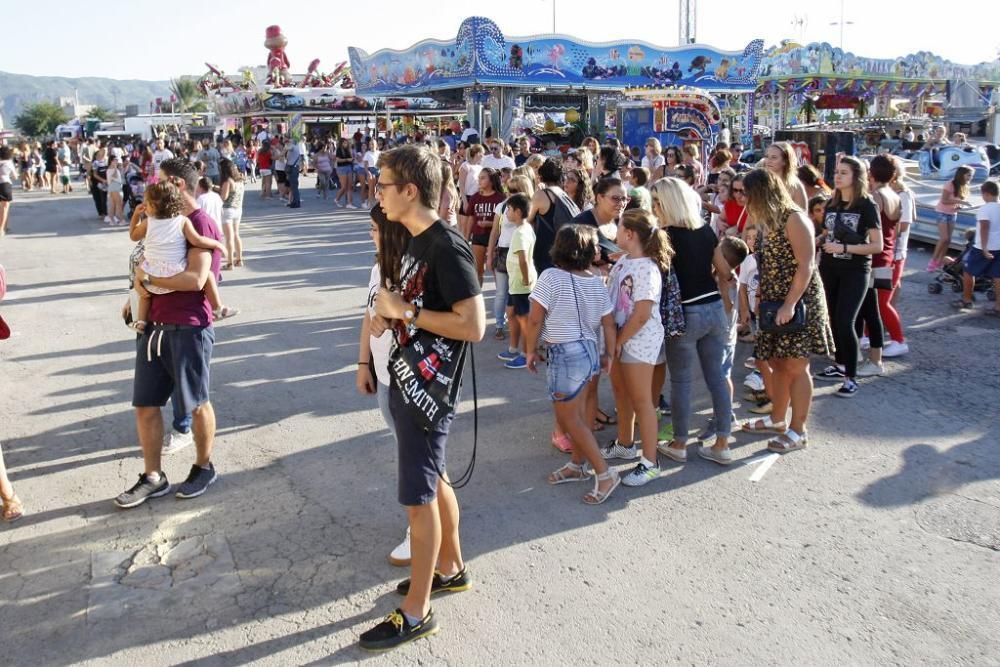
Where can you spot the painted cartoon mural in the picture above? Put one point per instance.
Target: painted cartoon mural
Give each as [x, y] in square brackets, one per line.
[481, 53]
[789, 59]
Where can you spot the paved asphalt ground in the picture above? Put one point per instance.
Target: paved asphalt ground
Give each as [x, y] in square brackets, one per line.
[880, 544]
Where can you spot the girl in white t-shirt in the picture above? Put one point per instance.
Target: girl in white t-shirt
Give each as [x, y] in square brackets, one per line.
[373, 356]
[370, 162]
[634, 285]
[167, 234]
[569, 307]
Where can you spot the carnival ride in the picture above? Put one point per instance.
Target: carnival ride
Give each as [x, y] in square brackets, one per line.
[674, 116]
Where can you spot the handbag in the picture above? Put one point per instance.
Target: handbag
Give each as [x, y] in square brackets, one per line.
[882, 277]
[500, 259]
[671, 306]
[767, 314]
[426, 368]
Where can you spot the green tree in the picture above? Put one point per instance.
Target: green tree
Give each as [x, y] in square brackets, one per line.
[39, 120]
[808, 108]
[101, 114]
[189, 97]
[861, 107]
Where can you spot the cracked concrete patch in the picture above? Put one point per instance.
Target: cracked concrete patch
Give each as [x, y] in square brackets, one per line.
[196, 571]
[961, 519]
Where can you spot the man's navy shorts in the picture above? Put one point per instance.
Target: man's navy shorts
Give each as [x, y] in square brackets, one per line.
[977, 265]
[421, 453]
[167, 357]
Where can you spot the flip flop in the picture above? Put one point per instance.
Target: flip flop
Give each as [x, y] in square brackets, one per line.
[606, 419]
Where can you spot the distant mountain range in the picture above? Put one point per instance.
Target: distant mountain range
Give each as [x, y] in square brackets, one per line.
[19, 90]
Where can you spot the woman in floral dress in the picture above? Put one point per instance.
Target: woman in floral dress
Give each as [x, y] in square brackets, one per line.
[786, 265]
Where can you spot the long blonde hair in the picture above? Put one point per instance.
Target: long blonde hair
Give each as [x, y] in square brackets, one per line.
[676, 204]
[768, 202]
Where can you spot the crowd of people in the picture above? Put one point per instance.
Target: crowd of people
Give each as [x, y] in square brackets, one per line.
[644, 268]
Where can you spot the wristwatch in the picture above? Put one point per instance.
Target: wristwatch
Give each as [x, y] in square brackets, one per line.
[408, 316]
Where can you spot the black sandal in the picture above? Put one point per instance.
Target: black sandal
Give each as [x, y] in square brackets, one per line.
[606, 419]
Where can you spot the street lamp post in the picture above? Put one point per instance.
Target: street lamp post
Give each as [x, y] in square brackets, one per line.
[841, 23]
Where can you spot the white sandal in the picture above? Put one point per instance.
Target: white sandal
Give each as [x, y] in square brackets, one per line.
[595, 497]
[568, 473]
[789, 441]
[762, 425]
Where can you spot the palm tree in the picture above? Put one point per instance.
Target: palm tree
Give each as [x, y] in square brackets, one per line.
[861, 107]
[189, 98]
[808, 108]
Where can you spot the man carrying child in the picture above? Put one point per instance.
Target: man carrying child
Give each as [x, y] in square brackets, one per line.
[174, 353]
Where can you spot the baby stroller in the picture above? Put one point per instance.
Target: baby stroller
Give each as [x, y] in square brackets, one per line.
[951, 273]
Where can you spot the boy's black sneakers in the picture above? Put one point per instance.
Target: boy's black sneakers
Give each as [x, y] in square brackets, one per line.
[441, 584]
[143, 491]
[395, 630]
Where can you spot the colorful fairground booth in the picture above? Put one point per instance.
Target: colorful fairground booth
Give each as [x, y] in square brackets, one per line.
[314, 103]
[830, 101]
[506, 82]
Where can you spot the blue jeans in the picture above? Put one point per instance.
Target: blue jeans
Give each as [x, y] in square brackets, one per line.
[704, 342]
[292, 173]
[500, 298]
[182, 420]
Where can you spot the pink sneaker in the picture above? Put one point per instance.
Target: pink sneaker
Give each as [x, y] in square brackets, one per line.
[562, 442]
[933, 266]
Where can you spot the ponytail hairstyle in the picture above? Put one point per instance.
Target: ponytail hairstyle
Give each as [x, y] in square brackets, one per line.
[655, 242]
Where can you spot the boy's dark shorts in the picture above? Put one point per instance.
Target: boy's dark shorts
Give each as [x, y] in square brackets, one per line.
[977, 265]
[521, 303]
[167, 357]
[421, 453]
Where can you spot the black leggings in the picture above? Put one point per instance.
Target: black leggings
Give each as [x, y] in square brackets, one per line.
[845, 288]
[100, 198]
[871, 316]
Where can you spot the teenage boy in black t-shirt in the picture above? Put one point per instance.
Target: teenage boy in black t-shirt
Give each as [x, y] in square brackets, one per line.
[440, 294]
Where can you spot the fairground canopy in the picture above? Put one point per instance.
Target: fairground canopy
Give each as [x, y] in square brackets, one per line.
[481, 55]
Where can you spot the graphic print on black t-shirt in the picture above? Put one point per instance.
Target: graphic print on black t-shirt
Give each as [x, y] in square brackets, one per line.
[858, 219]
[437, 271]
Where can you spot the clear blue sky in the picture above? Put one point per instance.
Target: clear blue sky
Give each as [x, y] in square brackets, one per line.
[164, 39]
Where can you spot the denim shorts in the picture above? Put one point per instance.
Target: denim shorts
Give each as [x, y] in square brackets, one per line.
[947, 218]
[346, 170]
[571, 365]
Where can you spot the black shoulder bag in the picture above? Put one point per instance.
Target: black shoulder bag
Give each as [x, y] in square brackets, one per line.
[427, 369]
[767, 315]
